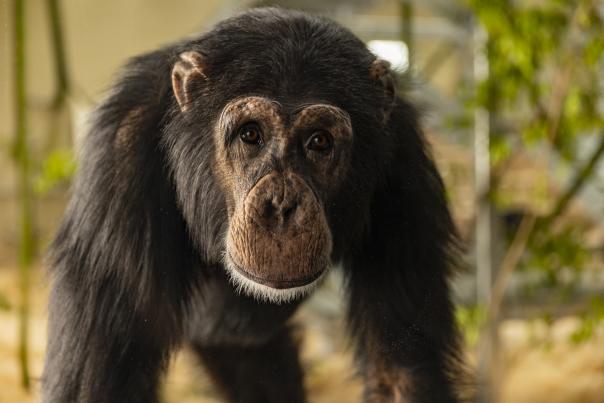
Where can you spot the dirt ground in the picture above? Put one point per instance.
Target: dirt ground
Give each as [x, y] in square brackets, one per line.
[538, 363]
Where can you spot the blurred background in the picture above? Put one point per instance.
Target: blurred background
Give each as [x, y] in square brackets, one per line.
[513, 94]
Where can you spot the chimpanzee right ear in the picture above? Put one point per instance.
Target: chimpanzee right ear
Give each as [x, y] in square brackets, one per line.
[380, 73]
[186, 73]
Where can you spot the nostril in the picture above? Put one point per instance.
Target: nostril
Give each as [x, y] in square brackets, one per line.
[268, 210]
[274, 213]
[288, 211]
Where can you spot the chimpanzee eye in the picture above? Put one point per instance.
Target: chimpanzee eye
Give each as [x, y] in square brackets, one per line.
[319, 141]
[250, 133]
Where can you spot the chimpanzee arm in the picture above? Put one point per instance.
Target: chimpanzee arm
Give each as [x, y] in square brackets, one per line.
[400, 311]
[100, 349]
[121, 258]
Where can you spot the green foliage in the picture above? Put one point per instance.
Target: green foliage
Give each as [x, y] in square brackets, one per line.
[543, 91]
[592, 319]
[58, 167]
[545, 60]
[471, 320]
[500, 150]
[544, 95]
[560, 258]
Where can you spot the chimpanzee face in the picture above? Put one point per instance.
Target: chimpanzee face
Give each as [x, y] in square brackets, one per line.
[281, 159]
[279, 166]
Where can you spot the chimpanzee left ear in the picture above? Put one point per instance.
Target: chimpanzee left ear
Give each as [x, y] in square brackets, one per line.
[186, 73]
[379, 71]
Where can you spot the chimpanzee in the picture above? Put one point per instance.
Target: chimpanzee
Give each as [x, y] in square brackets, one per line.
[221, 177]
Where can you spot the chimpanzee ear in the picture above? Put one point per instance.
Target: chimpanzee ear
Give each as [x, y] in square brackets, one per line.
[186, 73]
[380, 73]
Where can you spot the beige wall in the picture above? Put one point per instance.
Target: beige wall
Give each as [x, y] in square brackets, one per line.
[99, 37]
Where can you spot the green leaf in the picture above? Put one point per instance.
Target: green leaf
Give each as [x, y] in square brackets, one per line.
[4, 304]
[59, 167]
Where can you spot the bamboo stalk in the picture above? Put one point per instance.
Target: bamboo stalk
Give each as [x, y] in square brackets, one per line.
[21, 158]
[406, 10]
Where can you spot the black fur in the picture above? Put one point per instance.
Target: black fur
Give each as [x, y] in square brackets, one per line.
[137, 261]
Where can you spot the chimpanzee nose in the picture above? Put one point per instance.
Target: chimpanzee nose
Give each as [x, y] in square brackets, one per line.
[281, 203]
[279, 212]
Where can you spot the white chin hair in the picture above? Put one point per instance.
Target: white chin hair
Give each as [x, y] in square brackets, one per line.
[265, 293]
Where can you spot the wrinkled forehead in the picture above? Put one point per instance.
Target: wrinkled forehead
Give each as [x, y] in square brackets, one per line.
[252, 108]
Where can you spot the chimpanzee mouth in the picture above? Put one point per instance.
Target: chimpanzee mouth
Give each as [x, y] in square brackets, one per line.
[270, 290]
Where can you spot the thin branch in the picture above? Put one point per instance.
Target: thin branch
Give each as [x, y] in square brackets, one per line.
[526, 230]
[509, 263]
[563, 77]
[56, 31]
[60, 114]
[581, 177]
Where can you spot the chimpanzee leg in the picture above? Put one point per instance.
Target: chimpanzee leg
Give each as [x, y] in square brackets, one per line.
[264, 373]
[246, 345]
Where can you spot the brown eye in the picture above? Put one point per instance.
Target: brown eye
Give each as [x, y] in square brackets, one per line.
[319, 141]
[250, 133]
